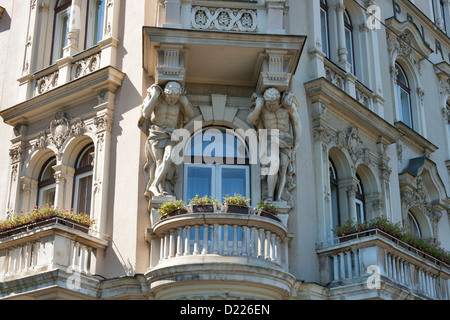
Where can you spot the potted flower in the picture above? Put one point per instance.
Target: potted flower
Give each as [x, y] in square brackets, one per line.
[236, 204]
[43, 216]
[202, 204]
[269, 210]
[172, 208]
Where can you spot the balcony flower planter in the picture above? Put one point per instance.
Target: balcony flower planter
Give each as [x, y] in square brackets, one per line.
[269, 215]
[174, 213]
[172, 209]
[268, 210]
[236, 204]
[233, 208]
[43, 223]
[202, 208]
[203, 205]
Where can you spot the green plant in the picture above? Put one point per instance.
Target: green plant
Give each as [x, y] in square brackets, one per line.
[268, 207]
[203, 200]
[44, 213]
[237, 199]
[395, 230]
[170, 206]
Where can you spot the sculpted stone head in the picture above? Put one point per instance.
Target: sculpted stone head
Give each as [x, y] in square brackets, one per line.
[272, 98]
[172, 92]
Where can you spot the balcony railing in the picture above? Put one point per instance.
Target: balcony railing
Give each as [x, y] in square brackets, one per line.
[53, 245]
[400, 266]
[246, 237]
[241, 251]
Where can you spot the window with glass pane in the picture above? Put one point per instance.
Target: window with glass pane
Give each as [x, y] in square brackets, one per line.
[83, 181]
[349, 40]
[95, 24]
[226, 175]
[324, 27]
[334, 194]
[360, 202]
[47, 184]
[404, 97]
[413, 225]
[61, 28]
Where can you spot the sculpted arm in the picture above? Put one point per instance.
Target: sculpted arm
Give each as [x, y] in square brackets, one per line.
[254, 115]
[153, 94]
[186, 106]
[291, 104]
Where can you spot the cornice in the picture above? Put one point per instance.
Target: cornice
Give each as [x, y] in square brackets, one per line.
[67, 95]
[343, 105]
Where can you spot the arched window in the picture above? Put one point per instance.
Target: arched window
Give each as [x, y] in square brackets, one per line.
[349, 40]
[60, 28]
[217, 165]
[95, 22]
[360, 201]
[413, 225]
[404, 96]
[47, 184]
[334, 194]
[83, 181]
[324, 27]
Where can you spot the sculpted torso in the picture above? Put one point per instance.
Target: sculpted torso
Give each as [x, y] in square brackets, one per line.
[279, 119]
[165, 115]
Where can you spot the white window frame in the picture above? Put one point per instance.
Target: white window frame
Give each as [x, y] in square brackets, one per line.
[92, 25]
[58, 34]
[216, 178]
[77, 189]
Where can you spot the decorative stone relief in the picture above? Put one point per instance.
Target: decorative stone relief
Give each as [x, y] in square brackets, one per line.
[224, 19]
[46, 83]
[86, 66]
[402, 45]
[352, 142]
[59, 131]
[274, 111]
[334, 78]
[417, 197]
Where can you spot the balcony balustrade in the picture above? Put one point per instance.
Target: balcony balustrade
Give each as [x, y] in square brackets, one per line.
[216, 246]
[37, 249]
[400, 269]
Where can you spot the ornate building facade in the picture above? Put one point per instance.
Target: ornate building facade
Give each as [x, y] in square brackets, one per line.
[95, 93]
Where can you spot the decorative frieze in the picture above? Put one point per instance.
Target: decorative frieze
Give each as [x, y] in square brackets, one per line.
[46, 83]
[86, 66]
[224, 19]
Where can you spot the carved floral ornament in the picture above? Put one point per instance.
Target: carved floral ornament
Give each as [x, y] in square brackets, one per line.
[416, 197]
[224, 19]
[62, 128]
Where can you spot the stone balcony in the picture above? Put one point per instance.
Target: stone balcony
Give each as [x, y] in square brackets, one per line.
[244, 255]
[53, 256]
[352, 268]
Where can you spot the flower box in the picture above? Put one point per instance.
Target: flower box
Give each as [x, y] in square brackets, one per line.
[234, 208]
[39, 224]
[266, 214]
[202, 208]
[174, 213]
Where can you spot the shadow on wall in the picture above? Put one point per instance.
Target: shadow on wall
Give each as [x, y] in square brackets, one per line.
[5, 20]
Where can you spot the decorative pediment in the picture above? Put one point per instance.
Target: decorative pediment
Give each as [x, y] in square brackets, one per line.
[404, 38]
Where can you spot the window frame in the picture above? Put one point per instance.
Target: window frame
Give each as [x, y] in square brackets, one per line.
[412, 218]
[405, 87]
[325, 42]
[57, 11]
[47, 184]
[90, 29]
[348, 28]
[361, 201]
[334, 182]
[81, 173]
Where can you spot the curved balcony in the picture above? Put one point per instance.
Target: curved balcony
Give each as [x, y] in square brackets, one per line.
[246, 255]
